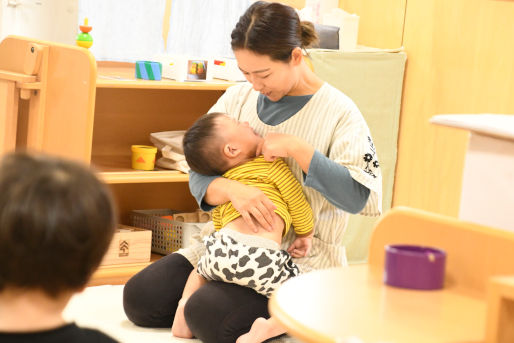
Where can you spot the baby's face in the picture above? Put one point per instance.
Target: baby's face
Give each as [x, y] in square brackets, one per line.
[232, 130]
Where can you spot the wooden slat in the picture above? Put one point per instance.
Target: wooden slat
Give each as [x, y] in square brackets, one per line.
[9, 96]
[18, 77]
[29, 85]
[500, 310]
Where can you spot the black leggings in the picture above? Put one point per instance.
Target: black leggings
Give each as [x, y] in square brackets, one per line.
[218, 312]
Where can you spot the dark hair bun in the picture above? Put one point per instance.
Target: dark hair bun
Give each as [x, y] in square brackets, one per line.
[309, 34]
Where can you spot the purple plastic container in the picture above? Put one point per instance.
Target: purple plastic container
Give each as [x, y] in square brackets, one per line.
[413, 266]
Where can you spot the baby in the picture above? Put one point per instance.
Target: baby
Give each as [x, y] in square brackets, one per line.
[219, 145]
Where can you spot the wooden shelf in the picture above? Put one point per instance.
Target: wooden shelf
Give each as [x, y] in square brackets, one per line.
[119, 274]
[123, 77]
[116, 169]
[143, 176]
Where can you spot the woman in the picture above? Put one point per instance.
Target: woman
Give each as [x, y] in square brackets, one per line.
[323, 138]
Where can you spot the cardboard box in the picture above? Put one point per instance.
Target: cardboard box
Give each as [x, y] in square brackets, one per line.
[225, 68]
[129, 245]
[185, 68]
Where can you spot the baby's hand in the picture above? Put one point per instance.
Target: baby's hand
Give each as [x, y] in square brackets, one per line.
[300, 246]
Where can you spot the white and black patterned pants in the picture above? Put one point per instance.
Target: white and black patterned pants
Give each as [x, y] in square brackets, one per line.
[246, 260]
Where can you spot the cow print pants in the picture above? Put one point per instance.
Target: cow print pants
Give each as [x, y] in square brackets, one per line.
[246, 260]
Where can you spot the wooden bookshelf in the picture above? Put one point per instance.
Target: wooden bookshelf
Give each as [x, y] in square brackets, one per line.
[126, 112]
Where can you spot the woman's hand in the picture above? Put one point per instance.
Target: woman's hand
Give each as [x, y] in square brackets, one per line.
[252, 204]
[283, 145]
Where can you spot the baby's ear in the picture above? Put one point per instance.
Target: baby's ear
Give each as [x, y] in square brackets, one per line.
[231, 150]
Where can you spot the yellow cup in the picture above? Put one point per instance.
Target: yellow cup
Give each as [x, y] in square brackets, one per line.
[143, 157]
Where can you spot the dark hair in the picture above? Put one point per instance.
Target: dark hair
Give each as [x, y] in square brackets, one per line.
[202, 153]
[272, 29]
[56, 222]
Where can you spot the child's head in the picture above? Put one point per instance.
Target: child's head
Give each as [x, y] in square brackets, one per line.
[56, 222]
[216, 143]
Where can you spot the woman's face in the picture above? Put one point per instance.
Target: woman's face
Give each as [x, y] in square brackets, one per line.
[274, 79]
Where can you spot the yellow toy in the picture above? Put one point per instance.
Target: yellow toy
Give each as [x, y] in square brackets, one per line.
[143, 157]
[84, 39]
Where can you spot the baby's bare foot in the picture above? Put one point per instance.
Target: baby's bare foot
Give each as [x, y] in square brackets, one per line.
[260, 331]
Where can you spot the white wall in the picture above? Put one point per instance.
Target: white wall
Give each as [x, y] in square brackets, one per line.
[53, 20]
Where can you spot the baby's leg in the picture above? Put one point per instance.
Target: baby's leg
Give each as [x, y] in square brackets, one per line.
[179, 327]
[261, 330]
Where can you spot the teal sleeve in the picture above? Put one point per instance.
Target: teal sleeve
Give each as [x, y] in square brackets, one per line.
[336, 184]
[198, 185]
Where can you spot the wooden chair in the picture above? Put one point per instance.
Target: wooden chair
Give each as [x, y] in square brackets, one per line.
[47, 97]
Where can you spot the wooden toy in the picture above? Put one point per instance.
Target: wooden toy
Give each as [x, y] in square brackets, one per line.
[129, 245]
[84, 39]
[143, 157]
[193, 217]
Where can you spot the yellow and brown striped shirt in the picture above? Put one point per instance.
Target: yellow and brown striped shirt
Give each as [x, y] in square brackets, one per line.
[276, 180]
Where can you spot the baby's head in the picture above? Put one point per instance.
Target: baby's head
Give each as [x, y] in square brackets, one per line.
[215, 143]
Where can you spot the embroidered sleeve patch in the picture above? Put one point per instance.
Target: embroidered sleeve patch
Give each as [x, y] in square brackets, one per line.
[371, 159]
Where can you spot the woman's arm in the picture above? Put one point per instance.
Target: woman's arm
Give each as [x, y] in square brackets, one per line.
[198, 185]
[249, 201]
[326, 176]
[334, 181]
